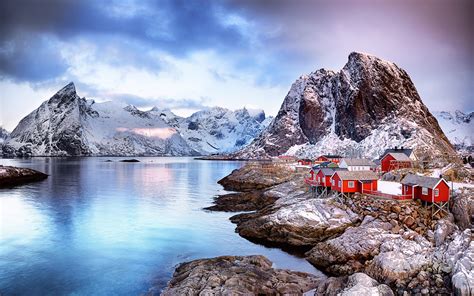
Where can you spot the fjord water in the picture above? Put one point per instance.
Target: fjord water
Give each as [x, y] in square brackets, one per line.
[112, 228]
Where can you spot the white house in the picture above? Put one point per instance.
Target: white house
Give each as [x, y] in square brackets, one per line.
[357, 164]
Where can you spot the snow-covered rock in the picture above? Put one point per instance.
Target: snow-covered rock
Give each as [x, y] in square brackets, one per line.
[458, 127]
[298, 222]
[67, 125]
[3, 135]
[368, 106]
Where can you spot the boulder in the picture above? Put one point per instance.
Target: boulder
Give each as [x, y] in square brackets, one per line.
[400, 259]
[444, 228]
[463, 273]
[12, 176]
[237, 275]
[355, 285]
[347, 253]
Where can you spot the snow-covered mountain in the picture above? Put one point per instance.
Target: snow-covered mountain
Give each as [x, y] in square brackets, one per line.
[218, 130]
[68, 125]
[366, 107]
[3, 135]
[458, 127]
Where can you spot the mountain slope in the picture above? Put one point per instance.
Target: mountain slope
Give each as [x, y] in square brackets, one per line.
[458, 127]
[67, 125]
[369, 105]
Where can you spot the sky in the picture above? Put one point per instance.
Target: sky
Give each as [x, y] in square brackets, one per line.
[190, 55]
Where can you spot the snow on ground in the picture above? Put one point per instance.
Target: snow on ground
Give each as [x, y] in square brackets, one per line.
[389, 187]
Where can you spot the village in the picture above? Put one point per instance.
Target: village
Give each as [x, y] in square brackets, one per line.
[341, 177]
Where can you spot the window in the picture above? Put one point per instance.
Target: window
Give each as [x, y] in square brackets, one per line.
[436, 192]
[333, 182]
[351, 184]
[339, 184]
[424, 191]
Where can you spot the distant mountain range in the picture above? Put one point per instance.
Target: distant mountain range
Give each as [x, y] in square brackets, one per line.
[361, 110]
[366, 107]
[67, 125]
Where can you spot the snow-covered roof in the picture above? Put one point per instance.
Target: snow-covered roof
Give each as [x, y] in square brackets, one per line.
[423, 181]
[399, 156]
[358, 162]
[405, 151]
[357, 175]
[330, 171]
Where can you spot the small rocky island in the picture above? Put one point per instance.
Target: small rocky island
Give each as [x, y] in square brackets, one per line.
[365, 246]
[13, 176]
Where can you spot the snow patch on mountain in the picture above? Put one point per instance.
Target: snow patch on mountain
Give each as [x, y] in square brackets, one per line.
[3, 135]
[458, 127]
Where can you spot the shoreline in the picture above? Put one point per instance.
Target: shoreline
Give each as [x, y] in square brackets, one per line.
[351, 238]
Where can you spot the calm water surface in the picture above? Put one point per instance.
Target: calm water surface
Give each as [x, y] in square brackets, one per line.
[111, 228]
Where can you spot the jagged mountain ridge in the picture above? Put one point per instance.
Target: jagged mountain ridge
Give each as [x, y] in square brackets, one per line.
[458, 127]
[218, 130]
[67, 125]
[369, 105]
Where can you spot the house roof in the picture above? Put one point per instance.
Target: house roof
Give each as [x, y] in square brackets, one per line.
[399, 156]
[357, 175]
[305, 159]
[324, 165]
[423, 181]
[407, 152]
[331, 156]
[330, 171]
[358, 162]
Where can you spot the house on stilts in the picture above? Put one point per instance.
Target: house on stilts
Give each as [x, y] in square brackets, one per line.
[346, 183]
[430, 190]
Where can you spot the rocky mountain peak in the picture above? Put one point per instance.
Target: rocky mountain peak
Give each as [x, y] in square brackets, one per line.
[349, 107]
[65, 95]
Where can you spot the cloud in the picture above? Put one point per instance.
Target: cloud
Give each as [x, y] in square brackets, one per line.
[129, 32]
[31, 58]
[161, 103]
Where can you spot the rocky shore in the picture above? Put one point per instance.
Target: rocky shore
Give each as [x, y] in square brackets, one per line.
[365, 246]
[13, 176]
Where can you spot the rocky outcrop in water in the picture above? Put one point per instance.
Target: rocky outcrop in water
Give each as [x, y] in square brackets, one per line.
[11, 176]
[256, 176]
[237, 275]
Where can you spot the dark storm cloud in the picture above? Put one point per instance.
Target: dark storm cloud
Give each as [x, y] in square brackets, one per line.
[177, 27]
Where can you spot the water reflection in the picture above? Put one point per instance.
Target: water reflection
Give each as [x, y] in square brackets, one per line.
[96, 227]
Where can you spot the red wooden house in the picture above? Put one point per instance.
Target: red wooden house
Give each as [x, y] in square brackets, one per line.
[354, 181]
[324, 175]
[429, 189]
[328, 157]
[305, 161]
[395, 160]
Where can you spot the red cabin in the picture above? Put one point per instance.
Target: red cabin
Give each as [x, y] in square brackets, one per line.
[394, 161]
[328, 157]
[305, 161]
[354, 181]
[429, 189]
